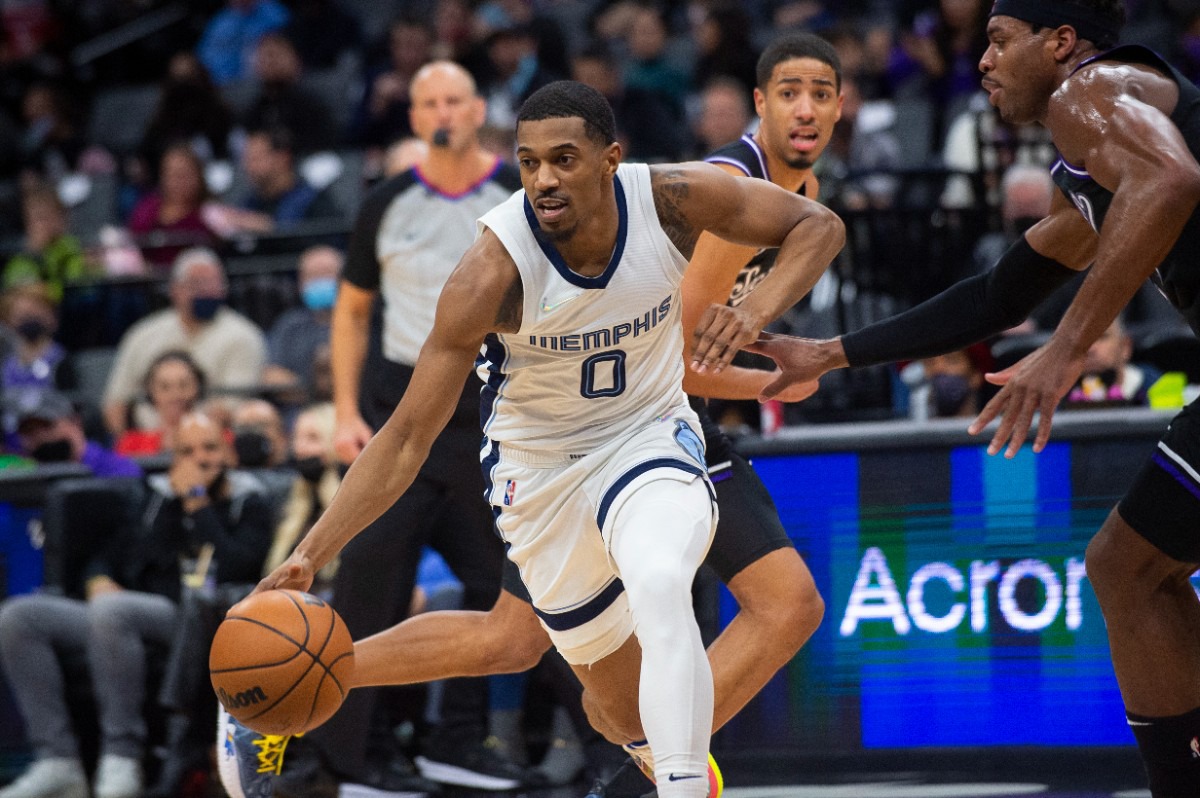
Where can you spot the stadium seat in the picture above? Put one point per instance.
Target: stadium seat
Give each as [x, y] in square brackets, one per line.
[120, 116]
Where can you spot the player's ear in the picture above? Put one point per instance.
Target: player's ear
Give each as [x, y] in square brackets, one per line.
[612, 156]
[1064, 40]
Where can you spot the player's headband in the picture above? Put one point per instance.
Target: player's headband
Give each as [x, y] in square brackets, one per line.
[1088, 24]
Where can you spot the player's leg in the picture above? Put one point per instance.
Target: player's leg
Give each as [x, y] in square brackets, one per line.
[659, 535]
[779, 607]
[1139, 565]
[438, 645]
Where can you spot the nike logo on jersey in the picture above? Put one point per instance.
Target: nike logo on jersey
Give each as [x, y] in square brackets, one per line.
[548, 306]
[677, 777]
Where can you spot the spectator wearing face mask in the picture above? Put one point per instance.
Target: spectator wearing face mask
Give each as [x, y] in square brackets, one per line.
[198, 511]
[50, 431]
[258, 437]
[1026, 193]
[261, 446]
[298, 334]
[30, 312]
[946, 386]
[316, 464]
[229, 348]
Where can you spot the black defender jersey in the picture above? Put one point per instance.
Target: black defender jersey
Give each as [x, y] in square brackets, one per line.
[1178, 276]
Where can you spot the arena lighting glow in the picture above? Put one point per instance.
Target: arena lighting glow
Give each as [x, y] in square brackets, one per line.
[876, 595]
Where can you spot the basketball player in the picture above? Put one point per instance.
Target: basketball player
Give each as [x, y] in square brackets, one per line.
[1127, 128]
[779, 607]
[593, 457]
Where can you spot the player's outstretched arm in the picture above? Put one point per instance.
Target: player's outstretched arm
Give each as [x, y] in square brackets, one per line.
[969, 311]
[483, 295]
[1138, 154]
[696, 197]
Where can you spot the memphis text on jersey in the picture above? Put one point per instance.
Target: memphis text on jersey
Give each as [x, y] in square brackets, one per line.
[607, 337]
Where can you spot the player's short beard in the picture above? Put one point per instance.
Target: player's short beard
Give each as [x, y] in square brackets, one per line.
[441, 138]
[797, 161]
[558, 236]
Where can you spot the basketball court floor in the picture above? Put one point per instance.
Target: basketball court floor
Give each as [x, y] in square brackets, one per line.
[1096, 775]
[898, 785]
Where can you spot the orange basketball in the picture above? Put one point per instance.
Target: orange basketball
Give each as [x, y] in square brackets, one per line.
[280, 661]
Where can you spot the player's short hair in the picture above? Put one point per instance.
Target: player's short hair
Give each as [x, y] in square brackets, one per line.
[564, 99]
[797, 45]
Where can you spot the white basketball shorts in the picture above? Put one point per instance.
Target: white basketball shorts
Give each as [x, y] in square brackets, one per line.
[554, 510]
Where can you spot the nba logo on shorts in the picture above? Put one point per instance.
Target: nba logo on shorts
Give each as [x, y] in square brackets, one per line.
[510, 490]
[1195, 746]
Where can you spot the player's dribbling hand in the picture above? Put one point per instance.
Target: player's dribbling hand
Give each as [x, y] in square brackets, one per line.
[800, 361]
[1034, 384]
[720, 333]
[350, 438]
[294, 573]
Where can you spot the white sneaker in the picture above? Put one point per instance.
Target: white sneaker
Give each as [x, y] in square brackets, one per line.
[118, 777]
[55, 777]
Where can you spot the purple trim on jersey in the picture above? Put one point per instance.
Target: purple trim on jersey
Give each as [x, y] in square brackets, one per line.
[1075, 170]
[469, 190]
[560, 265]
[731, 162]
[749, 141]
[762, 159]
[1166, 465]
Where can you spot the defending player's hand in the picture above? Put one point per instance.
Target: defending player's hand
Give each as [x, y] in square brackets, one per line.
[801, 362]
[796, 392]
[294, 573]
[1035, 384]
[350, 438]
[721, 332]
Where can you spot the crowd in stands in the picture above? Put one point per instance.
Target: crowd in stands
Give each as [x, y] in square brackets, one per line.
[177, 187]
[255, 126]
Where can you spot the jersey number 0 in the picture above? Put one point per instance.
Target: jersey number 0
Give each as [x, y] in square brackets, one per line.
[603, 375]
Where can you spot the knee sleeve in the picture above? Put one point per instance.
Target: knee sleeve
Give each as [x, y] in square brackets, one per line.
[660, 536]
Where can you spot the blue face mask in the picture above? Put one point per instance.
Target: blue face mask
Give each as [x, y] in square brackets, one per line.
[319, 294]
[205, 307]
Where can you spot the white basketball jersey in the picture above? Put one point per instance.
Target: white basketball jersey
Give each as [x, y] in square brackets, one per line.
[596, 357]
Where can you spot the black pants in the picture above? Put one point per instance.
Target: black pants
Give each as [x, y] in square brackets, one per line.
[444, 509]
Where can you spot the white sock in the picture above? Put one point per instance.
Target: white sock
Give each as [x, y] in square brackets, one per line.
[661, 534]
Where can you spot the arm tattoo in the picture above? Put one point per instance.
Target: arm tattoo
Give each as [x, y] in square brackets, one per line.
[508, 315]
[671, 189]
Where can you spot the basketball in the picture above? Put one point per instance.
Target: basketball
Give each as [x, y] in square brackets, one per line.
[280, 661]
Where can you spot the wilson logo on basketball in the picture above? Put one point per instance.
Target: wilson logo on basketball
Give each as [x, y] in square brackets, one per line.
[244, 699]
